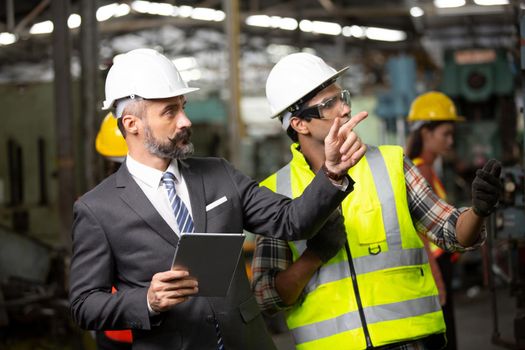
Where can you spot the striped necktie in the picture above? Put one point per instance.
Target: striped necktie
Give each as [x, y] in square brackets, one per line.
[185, 224]
[182, 215]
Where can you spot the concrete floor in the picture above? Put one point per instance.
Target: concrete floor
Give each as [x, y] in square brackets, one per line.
[474, 320]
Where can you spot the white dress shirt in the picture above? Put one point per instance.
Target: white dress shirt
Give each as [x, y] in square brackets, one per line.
[149, 181]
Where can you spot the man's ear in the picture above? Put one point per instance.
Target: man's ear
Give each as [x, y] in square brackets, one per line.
[130, 123]
[300, 125]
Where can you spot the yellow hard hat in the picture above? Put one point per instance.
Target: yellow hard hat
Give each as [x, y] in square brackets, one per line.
[110, 142]
[433, 106]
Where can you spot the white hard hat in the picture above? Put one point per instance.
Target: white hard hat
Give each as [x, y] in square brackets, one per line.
[145, 73]
[295, 79]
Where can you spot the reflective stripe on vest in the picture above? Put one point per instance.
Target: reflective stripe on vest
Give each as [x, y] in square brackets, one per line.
[373, 314]
[424, 304]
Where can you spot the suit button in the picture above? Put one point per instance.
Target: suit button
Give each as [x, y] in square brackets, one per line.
[210, 319]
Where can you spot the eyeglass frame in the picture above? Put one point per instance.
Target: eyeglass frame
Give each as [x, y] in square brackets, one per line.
[317, 107]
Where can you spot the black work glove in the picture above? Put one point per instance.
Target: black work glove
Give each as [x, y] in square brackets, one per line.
[329, 239]
[486, 188]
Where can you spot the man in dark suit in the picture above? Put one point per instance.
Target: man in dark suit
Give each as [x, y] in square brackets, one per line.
[125, 230]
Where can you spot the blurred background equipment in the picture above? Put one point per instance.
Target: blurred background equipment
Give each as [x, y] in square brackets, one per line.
[34, 308]
[505, 257]
[482, 84]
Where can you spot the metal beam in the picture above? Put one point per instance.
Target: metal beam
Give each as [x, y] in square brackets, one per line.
[10, 15]
[90, 116]
[31, 16]
[63, 118]
[235, 124]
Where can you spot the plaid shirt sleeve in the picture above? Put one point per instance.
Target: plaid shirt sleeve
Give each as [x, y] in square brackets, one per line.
[270, 256]
[432, 216]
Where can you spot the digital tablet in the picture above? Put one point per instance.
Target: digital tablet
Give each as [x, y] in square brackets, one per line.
[211, 258]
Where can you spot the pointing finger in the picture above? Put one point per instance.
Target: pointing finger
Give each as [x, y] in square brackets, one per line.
[356, 119]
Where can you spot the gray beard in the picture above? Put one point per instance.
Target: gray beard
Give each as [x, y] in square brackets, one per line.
[170, 149]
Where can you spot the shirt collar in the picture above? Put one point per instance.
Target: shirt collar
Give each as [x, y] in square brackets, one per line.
[148, 175]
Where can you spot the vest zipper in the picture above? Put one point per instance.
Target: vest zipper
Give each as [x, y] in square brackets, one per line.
[358, 298]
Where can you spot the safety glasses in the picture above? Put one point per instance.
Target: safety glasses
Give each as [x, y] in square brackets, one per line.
[328, 108]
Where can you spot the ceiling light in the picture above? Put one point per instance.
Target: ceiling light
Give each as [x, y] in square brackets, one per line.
[122, 10]
[185, 11]
[140, 6]
[306, 26]
[416, 11]
[491, 2]
[264, 21]
[7, 38]
[45, 27]
[204, 14]
[383, 34]
[112, 10]
[357, 31]
[154, 8]
[74, 21]
[106, 12]
[448, 3]
[288, 23]
[275, 21]
[219, 16]
[320, 27]
[258, 21]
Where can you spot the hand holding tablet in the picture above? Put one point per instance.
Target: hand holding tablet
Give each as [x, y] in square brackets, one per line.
[210, 258]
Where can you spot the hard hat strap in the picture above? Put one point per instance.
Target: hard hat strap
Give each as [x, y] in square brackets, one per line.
[285, 120]
[417, 125]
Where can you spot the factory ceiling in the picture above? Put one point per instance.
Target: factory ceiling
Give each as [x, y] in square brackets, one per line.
[178, 27]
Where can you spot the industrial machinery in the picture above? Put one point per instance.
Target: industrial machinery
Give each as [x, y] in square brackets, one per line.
[505, 256]
[34, 309]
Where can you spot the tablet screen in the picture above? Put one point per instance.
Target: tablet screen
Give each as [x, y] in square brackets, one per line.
[211, 258]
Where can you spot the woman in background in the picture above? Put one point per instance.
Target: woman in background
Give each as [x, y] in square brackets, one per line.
[432, 117]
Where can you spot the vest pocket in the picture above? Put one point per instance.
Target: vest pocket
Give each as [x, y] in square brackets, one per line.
[370, 226]
[406, 270]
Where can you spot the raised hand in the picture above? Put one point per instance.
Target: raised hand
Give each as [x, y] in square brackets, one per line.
[343, 148]
[486, 188]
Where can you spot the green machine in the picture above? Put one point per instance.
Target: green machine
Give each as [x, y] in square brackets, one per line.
[482, 84]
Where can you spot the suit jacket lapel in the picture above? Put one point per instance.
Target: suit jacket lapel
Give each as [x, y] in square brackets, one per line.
[138, 202]
[197, 197]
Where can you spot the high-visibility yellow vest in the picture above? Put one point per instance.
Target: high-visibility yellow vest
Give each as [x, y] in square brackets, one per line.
[384, 293]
